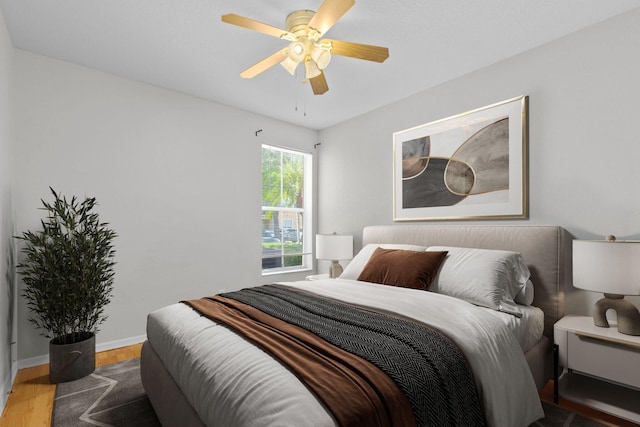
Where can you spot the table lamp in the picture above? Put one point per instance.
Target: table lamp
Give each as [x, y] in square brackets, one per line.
[334, 247]
[611, 267]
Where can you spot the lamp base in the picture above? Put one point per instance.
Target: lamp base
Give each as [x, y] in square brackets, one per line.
[335, 270]
[628, 314]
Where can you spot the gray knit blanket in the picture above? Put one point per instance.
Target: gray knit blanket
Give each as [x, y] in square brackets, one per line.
[428, 367]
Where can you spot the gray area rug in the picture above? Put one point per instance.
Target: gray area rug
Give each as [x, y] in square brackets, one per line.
[113, 396]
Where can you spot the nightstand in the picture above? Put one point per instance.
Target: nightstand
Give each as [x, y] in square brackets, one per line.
[602, 366]
[317, 277]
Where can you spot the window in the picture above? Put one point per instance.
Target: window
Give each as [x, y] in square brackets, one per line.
[286, 210]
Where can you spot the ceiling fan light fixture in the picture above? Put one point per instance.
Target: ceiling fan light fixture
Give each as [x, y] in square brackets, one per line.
[311, 68]
[290, 65]
[304, 30]
[321, 56]
[297, 51]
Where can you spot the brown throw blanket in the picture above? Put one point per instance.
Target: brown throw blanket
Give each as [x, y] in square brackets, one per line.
[362, 380]
[356, 392]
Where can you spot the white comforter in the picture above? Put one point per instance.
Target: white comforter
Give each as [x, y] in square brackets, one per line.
[230, 382]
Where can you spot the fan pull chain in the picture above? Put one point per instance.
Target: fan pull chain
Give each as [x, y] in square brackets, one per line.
[304, 81]
[296, 89]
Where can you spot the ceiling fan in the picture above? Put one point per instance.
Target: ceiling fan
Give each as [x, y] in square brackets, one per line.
[304, 30]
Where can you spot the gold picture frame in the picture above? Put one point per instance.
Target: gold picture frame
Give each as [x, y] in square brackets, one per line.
[472, 166]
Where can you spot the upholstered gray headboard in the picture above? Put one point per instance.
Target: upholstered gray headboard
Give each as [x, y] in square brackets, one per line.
[546, 249]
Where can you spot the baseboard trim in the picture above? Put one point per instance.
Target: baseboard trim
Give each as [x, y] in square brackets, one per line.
[7, 385]
[110, 345]
[120, 343]
[5, 389]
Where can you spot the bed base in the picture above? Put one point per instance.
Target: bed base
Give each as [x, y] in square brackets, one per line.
[173, 408]
[170, 405]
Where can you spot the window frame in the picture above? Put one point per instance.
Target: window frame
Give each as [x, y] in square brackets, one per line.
[307, 216]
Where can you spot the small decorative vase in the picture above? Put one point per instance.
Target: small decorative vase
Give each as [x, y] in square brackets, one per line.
[68, 362]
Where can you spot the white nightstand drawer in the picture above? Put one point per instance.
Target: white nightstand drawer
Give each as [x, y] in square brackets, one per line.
[604, 359]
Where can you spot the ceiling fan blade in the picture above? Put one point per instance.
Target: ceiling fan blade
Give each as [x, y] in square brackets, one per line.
[319, 84]
[251, 24]
[358, 50]
[264, 65]
[328, 14]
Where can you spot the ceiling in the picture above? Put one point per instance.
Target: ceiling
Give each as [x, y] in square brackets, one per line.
[183, 45]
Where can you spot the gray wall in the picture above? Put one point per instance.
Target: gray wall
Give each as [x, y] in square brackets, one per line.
[584, 138]
[177, 177]
[7, 276]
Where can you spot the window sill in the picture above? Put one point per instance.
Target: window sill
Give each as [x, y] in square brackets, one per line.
[286, 271]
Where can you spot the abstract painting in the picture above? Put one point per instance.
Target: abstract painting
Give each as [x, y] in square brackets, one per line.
[469, 166]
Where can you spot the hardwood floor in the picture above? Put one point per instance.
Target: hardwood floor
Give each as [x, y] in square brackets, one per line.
[31, 400]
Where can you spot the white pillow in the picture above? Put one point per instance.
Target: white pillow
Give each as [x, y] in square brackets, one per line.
[354, 268]
[484, 277]
[525, 296]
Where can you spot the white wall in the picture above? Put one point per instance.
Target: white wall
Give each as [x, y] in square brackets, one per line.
[7, 276]
[177, 177]
[584, 141]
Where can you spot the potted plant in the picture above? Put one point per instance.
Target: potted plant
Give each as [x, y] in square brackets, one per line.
[68, 273]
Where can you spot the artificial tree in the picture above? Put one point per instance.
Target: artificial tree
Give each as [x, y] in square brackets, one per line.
[68, 272]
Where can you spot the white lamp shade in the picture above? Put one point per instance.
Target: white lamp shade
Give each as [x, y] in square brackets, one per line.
[289, 65]
[297, 51]
[607, 266]
[311, 68]
[321, 56]
[334, 246]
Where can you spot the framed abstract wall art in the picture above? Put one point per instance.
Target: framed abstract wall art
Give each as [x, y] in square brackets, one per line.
[467, 167]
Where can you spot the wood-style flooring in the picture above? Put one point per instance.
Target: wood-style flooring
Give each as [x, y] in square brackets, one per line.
[31, 400]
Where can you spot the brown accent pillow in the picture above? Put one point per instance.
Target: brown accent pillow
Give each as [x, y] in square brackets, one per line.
[407, 269]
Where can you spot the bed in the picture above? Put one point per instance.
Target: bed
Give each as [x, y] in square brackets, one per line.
[197, 372]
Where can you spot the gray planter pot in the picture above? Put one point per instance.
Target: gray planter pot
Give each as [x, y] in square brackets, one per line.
[68, 362]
